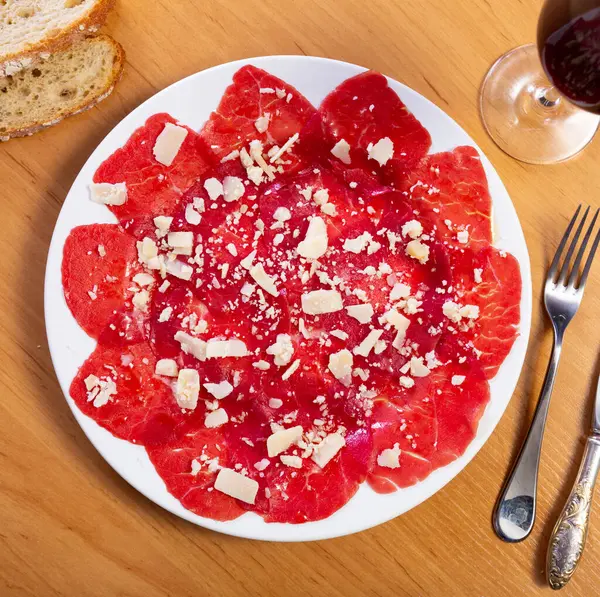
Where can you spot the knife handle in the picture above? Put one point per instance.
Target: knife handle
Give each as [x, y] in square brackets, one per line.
[568, 537]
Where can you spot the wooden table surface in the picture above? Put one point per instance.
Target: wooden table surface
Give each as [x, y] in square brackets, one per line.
[69, 525]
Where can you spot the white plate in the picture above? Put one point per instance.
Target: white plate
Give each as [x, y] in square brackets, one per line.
[191, 101]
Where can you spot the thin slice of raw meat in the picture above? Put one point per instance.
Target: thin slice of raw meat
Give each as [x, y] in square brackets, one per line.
[363, 110]
[429, 425]
[176, 464]
[153, 189]
[450, 191]
[498, 296]
[143, 409]
[255, 94]
[99, 262]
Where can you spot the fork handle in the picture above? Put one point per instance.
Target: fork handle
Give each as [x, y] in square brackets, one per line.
[569, 534]
[514, 513]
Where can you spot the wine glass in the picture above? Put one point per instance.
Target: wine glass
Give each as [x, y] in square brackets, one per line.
[541, 104]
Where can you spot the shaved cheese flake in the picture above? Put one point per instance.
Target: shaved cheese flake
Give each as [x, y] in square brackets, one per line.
[327, 449]
[362, 313]
[322, 301]
[406, 382]
[181, 242]
[315, 242]
[399, 291]
[140, 300]
[462, 237]
[233, 348]
[469, 311]
[417, 368]
[417, 250]
[287, 145]
[230, 156]
[108, 194]
[390, 457]
[291, 370]
[233, 188]
[166, 367]
[168, 143]
[382, 151]
[191, 215]
[165, 314]
[412, 228]
[262, 365]
[321, 196]
[219, 390]
[282, 350]
[262, 123]
[457, 380]
[187, 389]
[282, 214]
[340, 365]
[214, 188]
[179, 269]
[291, 461]
[191, 345]
[339, 334]
[143, 279]
[281, 440]
[365, 347]
[358, 244]
[265, 281]
[147, 249]
[397, 320]
[236, 486]
[247, 261]
[341, 150]
[216, 418]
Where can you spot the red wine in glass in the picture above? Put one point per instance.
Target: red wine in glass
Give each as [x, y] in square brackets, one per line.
[569, 46]
[532, 97]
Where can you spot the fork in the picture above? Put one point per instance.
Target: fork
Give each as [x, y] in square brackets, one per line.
[514, 514]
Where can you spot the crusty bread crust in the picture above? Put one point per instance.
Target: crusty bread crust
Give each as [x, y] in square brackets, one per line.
[87, 25]
[101, 94]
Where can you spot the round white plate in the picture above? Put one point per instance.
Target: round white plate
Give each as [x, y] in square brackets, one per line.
[191, 101]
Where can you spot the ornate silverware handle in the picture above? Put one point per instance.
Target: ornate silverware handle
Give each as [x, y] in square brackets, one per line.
[569, 535]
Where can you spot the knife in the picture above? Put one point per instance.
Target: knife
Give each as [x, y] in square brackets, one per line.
[570, 532]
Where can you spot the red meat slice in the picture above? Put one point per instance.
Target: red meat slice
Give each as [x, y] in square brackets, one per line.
[432, 424]
[143, 410]
[363, 110]
[498, 297]
[173, 462]
[450, 191]
[232, 125]
[107, 277]
[152, 188]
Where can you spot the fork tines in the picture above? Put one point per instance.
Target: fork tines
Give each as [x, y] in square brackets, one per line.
[571, 279]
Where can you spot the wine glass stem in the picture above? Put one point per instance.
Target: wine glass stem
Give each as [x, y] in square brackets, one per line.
[548, 97]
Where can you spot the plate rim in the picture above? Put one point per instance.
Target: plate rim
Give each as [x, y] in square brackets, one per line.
[285, 532]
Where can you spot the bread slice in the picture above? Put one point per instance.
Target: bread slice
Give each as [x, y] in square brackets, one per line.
[67, 83]
[31, 29]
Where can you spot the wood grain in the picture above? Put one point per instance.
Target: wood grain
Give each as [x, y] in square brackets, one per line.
[70, 526]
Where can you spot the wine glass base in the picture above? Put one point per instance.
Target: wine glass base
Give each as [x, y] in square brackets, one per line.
[521, 122]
